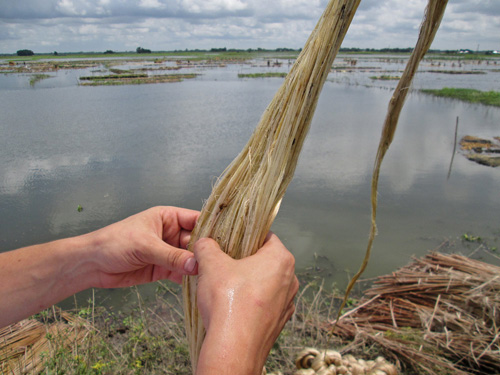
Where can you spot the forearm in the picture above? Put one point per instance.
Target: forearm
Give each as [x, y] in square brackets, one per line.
[230, 348]
[35, 277]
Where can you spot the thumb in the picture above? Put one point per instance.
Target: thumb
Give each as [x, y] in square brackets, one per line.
[172, 258]
[207, 251]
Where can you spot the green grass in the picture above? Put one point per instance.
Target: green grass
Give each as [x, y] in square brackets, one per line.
[385, 78]
[149, 337]
[262, 75]
[169, 55]
[468, 95]
[132, 79]
[37, 78]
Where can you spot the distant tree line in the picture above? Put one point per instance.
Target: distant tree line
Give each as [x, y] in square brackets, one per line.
[25, 52]
[142, 50]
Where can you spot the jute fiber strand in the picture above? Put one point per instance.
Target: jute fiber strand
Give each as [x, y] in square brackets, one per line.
[432, 19]
[242, 206]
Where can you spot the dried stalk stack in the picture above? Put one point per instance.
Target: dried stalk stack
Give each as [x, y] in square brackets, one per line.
[23, 345]
[239, 212]
[438, 314]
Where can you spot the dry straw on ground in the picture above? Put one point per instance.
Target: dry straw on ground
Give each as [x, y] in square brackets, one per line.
[239, 212]
[438, 315]
[24, 345]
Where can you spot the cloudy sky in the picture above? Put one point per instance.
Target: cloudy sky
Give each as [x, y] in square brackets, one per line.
[123, 25]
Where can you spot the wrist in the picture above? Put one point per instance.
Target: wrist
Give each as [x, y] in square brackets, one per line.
[35, 277]
[77, 266]
[232, 346]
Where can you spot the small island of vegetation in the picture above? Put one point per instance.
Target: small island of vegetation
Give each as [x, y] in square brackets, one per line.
[468, 95]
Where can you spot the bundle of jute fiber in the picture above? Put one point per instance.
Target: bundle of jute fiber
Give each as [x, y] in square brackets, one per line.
[432, 19]
[246, 198]
[311, 361]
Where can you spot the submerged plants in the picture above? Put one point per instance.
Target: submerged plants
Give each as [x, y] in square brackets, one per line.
[38, 77]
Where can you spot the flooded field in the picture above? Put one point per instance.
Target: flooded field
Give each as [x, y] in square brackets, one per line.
[117, 149]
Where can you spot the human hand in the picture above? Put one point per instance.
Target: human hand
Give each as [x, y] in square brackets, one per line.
[145, 247]
[244, 305]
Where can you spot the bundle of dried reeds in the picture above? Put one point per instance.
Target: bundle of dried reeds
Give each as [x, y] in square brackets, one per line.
[239, 212]
[23, 344]
[439, 313]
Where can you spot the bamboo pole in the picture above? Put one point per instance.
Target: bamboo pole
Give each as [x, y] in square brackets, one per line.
[244, 202]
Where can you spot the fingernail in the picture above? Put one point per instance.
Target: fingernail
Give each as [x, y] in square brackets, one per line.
[190, 265]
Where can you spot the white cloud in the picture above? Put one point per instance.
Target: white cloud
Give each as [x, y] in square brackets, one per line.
[67, 7]
[92, 25]
[150, 4]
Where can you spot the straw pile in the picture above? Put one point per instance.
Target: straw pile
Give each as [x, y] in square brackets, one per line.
[24, 344]
[239, 212]
[439, 314]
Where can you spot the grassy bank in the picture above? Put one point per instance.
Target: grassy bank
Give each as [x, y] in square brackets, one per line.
[240, 55]
[468, 95]
[149, 337]
[169, 55]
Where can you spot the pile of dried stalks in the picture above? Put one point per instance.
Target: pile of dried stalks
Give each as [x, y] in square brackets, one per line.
[438, 315]
[24, 345]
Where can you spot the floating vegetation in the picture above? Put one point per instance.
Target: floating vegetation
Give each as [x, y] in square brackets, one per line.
[37, 78]
[263, 75]
[132, 79]
[45, 66]
[482, 151]
[456, 71]
[121, 71]
[468, 95]
[385, 78]
[156, 68]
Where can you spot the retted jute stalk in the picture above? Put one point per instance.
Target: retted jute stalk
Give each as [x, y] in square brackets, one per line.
[244, 202]
[433, 14]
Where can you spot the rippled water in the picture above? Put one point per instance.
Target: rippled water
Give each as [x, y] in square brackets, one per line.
[117, 150]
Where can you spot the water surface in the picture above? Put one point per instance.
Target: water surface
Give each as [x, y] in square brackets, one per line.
[117, 150]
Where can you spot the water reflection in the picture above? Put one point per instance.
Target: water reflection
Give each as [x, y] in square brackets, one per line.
[119, 150]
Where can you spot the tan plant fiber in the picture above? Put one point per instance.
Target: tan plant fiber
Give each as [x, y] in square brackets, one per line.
[246, 198]
[433, 14]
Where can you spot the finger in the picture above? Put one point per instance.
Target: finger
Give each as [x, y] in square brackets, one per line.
[273, 242]
[268, 236]
[172, 258]
[187, 218]
[184, 238]
[276, 252]
[175, 277]
[208, 252]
